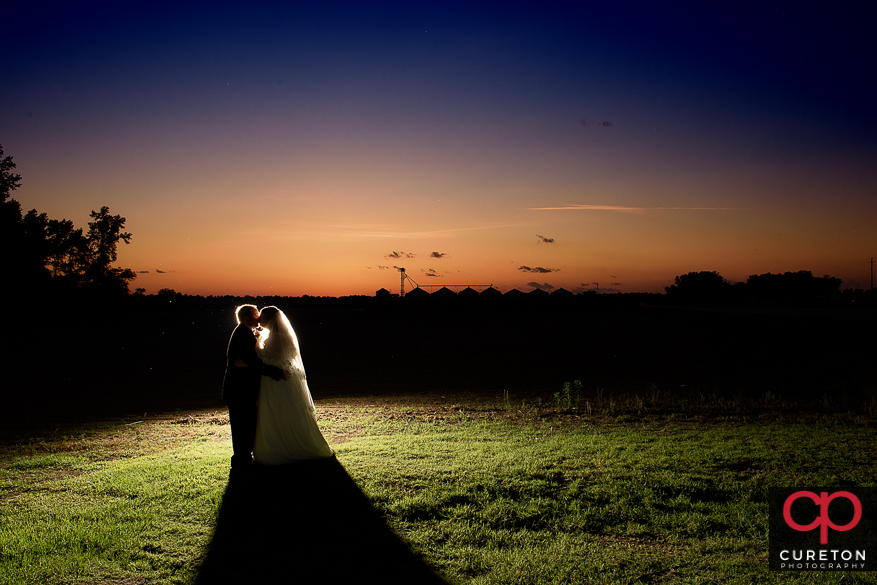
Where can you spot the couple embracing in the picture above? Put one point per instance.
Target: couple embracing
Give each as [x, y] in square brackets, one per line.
[270, 407]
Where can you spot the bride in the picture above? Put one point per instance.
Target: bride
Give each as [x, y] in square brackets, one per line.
[286, 427]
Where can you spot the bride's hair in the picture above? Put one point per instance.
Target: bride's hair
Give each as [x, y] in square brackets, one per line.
[269, 313]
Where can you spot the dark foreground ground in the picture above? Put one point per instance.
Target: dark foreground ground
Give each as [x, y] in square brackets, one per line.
[126, 362]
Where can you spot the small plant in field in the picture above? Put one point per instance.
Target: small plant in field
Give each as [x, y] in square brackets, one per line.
[577, 391]
[599, 401]
[654, 394]
[827, 401]
[569, 396]
[691, 401]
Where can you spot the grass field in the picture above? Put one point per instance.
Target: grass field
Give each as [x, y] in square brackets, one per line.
[424, 489]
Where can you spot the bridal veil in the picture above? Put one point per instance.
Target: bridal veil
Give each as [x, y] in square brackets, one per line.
[281, 349]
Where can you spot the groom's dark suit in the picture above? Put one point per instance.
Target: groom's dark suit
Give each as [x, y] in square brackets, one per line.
[241, 389]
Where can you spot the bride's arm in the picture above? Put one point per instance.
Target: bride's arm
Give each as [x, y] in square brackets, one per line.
[289, 368]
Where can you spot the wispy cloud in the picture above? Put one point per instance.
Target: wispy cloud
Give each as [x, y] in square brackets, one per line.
[595, 287]
[358, 233]
[604, 124]
[627, 209]
[396, 255]
[438, 255]
[544, 285]
[545, 240]
[538, 269]
[161, 271]
[430, 272]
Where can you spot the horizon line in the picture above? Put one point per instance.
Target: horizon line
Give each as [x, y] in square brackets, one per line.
[627, 209]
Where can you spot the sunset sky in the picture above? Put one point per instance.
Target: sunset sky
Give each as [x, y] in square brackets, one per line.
[311, 148]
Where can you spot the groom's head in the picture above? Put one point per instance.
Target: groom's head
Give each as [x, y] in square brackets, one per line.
[247, 315]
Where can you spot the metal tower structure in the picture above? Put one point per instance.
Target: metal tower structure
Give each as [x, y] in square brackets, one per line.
[403, 277]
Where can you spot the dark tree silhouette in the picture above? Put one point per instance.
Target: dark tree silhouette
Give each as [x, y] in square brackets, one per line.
[45, 255]
[10, 210]
[707, 287]
[23, 237]
[792, 286]
[67, 250]
[703, 286]
[35, 248]
[9, 181]
[104, 235]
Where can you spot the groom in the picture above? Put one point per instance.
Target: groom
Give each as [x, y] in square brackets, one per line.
[241, 385]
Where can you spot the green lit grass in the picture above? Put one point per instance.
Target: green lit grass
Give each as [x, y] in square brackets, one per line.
[483, 493]
[113, 513]
[557, 501]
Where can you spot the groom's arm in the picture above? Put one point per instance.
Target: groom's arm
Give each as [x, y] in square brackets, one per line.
[246, 351]
[272, 372]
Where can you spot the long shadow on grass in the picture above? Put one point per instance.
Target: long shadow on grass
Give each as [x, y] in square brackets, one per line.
[305, 523]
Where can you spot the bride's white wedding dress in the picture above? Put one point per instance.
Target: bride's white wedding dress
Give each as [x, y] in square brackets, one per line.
[286, 428]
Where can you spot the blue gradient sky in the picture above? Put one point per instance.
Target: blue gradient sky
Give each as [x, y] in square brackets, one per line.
[311, 149]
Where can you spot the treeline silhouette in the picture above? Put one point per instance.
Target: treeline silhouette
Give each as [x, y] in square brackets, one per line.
[50, 258]
[788, 287]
